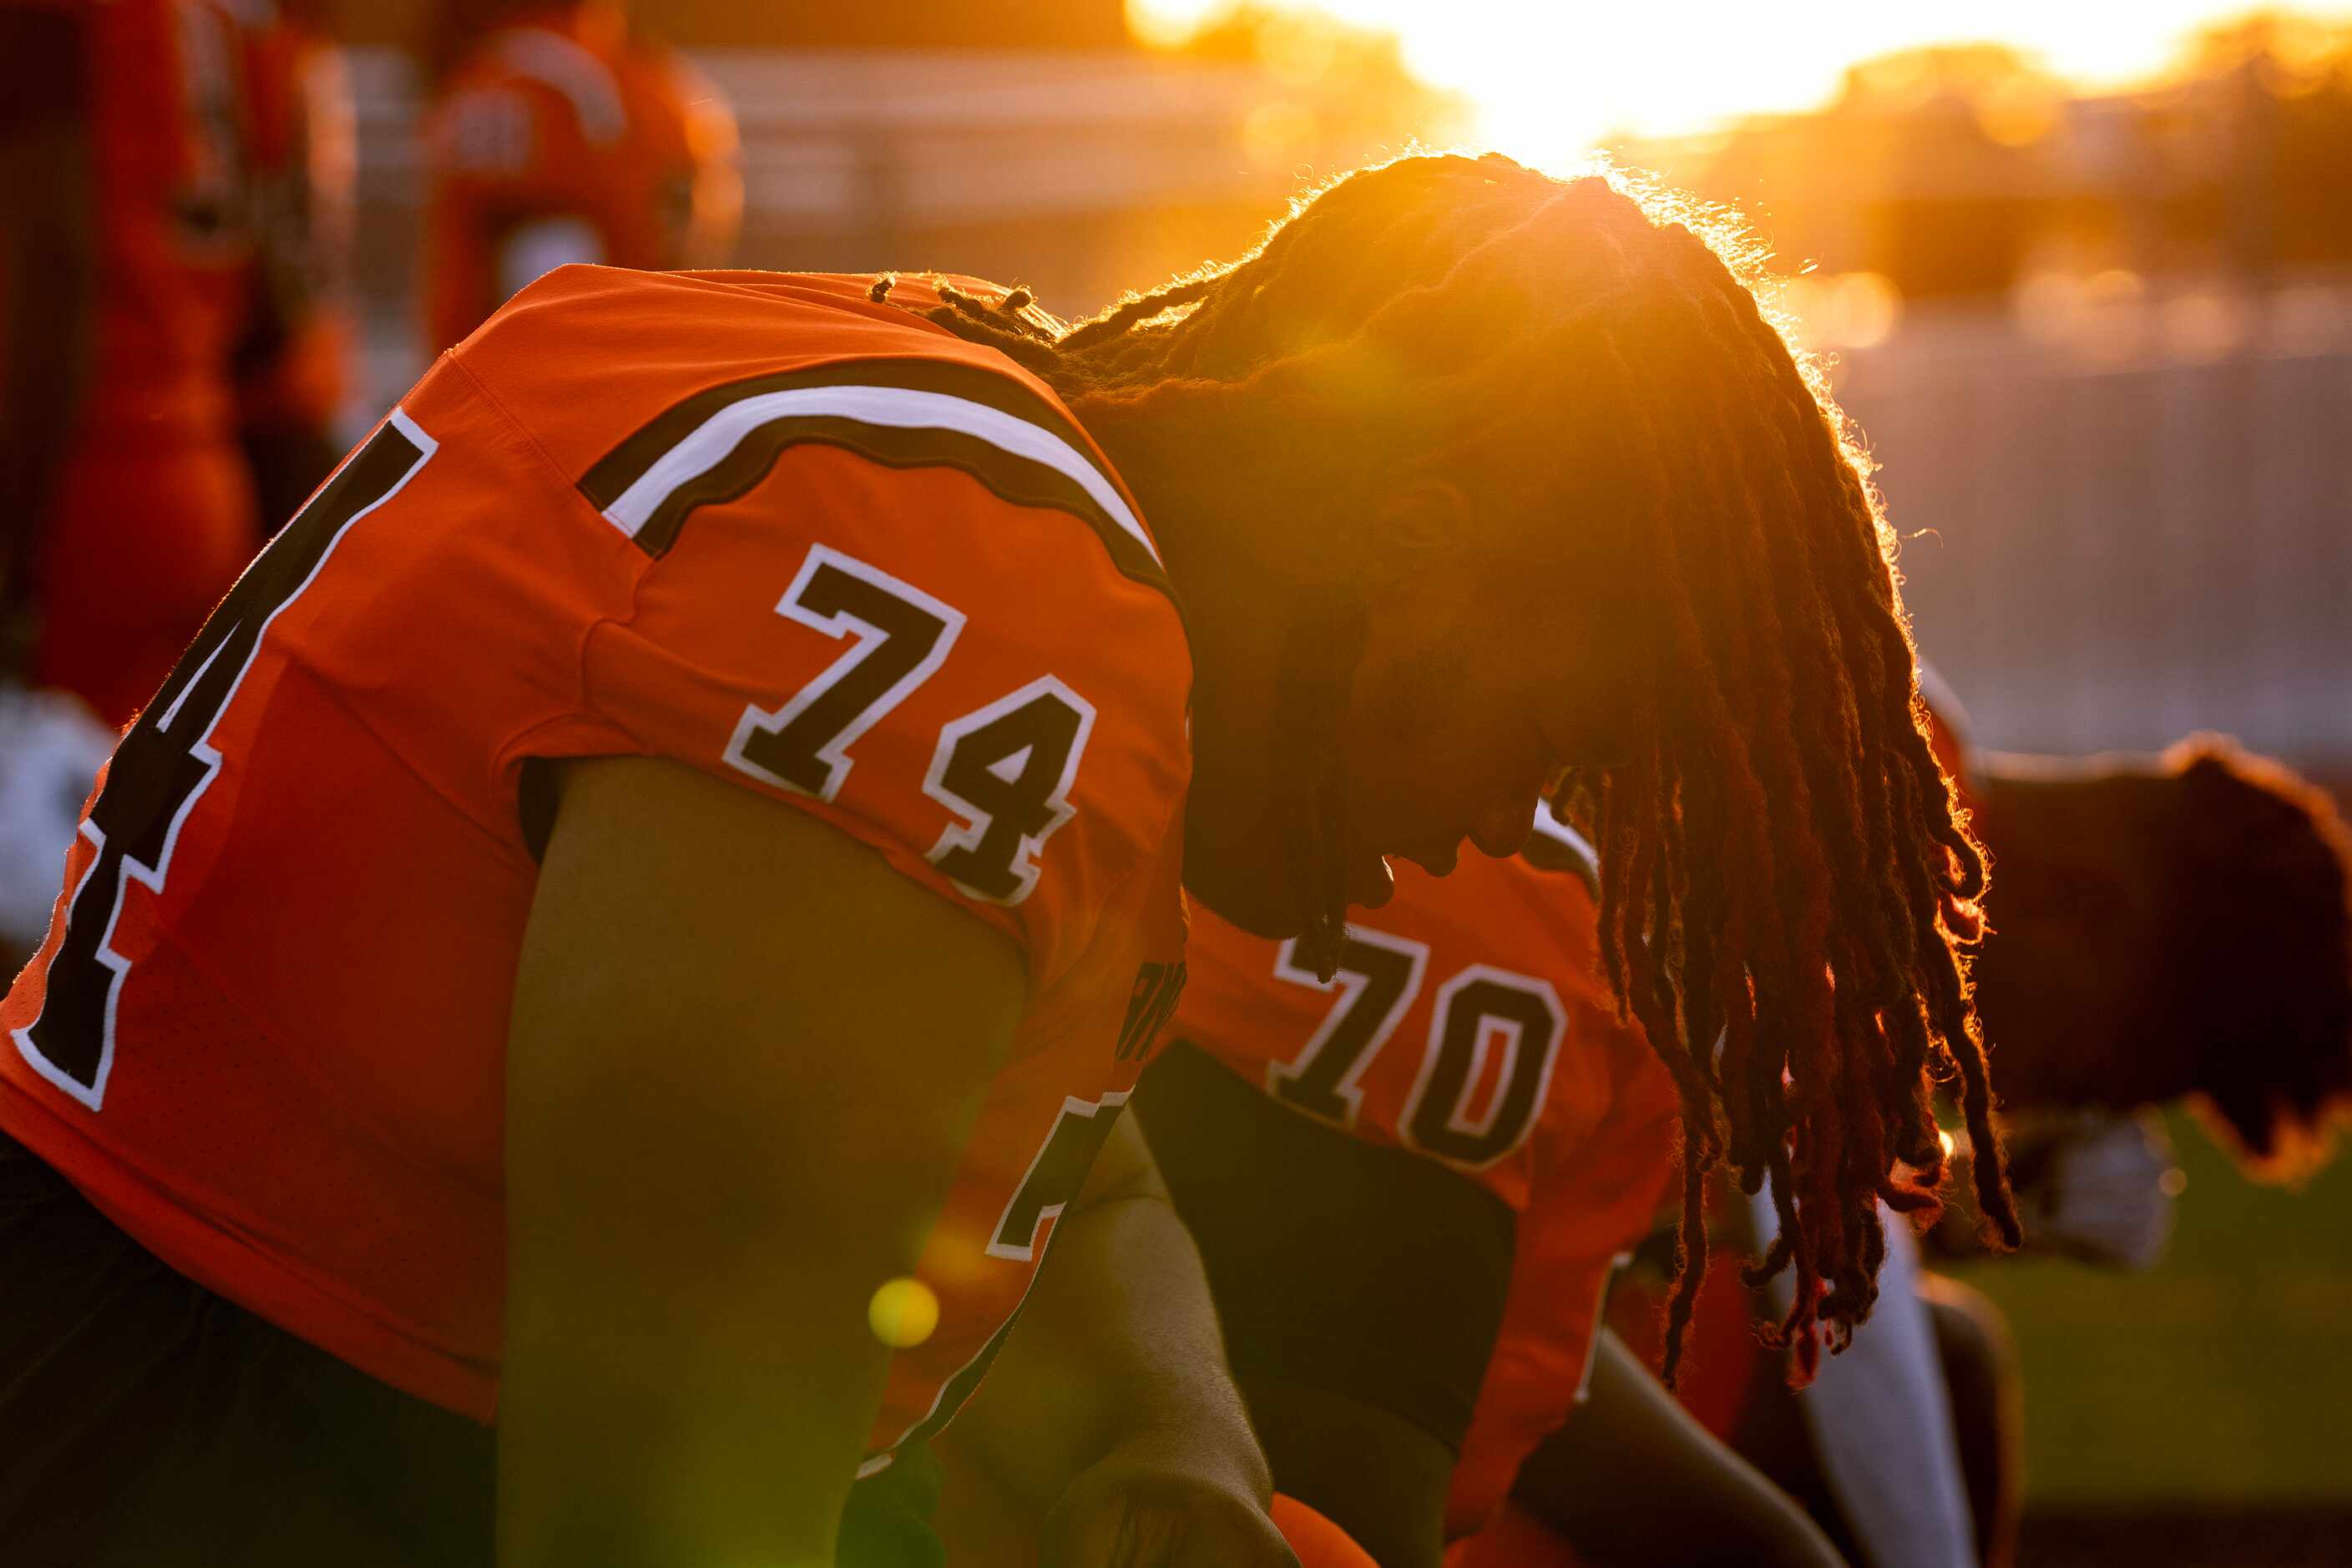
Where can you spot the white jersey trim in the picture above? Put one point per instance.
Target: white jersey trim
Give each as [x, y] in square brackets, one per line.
[1559, 832]
[889, 407]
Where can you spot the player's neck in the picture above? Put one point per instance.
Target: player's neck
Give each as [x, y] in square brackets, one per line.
[1221, 534]
[1233, 552]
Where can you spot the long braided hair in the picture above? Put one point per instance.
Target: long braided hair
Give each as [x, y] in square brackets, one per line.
[1786, 870]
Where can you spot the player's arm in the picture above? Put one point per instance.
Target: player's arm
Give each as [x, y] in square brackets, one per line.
[1110, 1411]
[745, 1057]
[47, 276]
[1633, 1479]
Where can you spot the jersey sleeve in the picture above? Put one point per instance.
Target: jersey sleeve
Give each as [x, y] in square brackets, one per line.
[968, 686]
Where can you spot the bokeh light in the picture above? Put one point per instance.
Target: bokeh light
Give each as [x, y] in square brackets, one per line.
[1846, 310]
[904, 1313]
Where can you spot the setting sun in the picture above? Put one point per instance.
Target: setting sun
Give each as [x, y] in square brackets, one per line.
[1547, 81]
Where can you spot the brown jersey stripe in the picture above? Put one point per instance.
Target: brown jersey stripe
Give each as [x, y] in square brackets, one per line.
[1006, 474]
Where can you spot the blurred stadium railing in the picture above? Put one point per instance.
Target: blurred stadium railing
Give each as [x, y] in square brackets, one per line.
[2134, 528]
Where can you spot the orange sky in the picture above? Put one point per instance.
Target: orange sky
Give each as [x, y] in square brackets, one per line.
[1550, 77]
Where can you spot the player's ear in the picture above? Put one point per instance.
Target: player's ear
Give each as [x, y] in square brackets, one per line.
[1419, 526]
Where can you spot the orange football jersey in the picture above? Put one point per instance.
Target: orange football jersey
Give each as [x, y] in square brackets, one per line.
[813, 545]
[1469, 1022]
[149, 515]
[566, 115]
[295, 362]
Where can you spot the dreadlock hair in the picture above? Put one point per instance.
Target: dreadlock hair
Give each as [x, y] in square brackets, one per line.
[1785, 864]
[2259, 950]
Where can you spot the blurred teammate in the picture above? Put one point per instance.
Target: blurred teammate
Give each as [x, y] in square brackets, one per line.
[131, 241]
[293, 357]
[561, 134]
[671, 864]
[137, 287]
[46, 281]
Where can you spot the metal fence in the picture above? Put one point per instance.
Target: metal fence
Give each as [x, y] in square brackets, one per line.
[2113, 542]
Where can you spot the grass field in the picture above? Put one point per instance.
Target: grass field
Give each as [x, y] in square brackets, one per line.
[2221, 1383]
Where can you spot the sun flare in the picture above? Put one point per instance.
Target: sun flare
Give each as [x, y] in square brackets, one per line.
[1548, 81]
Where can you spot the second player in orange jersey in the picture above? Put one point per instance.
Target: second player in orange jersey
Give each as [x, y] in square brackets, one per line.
[563, 135]
[145, 513]
[1410, 1183]
[294, 363]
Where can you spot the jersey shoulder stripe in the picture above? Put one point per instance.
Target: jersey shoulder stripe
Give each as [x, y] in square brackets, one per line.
[1554, 846]
[901, 412]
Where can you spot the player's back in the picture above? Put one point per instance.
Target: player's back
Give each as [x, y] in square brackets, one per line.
[685, 516]
[166, 119]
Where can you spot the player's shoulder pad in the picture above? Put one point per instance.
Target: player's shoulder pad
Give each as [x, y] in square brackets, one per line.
[894, 583]
[1554, 846]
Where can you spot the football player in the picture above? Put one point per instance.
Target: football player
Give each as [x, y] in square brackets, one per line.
[293, 360]
[1411, 1183]
[124, 147]
[653, 893]
[140, 449]
[562, 134]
